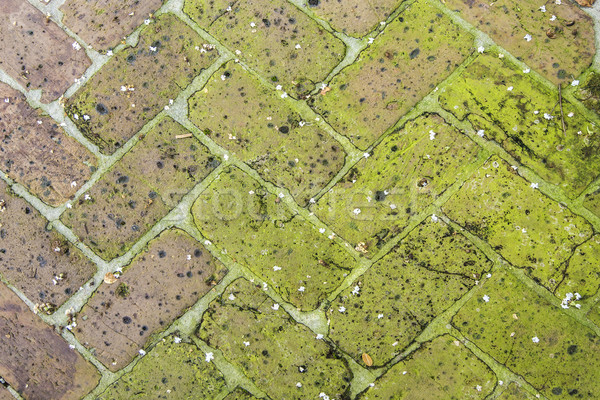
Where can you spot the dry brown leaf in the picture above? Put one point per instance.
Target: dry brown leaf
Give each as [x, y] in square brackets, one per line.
[367, 359]
[325, 90]
[585, 3]
[110, 278]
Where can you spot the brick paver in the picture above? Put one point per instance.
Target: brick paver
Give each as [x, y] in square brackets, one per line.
[35, 360]
[299, 199]
[37, 153]
[53, 66]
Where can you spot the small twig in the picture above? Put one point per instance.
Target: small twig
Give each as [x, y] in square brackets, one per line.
[562, 117]
[186, 135]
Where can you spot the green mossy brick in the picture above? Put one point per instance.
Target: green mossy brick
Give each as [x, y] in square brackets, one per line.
[417, 50]
[383, 312]
[271, 349]
[255, 124]
[528, 229]
[442, 369]
[523, 116]
[257, 230]
[407, 171]
[552, 351]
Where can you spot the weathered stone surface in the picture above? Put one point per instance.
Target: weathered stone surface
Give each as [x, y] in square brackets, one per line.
[38, 261]
[134, 86]
[157, 287]
[274, 37]
[417, 50]
[549, 349]
[259, 231]
[528, 229]
[557, 40]
[248, 119]
[140, 189]
[240, 394]
[524, 117]
[441, 369]
[271, 348]
[354, 17]
[103, 23]
[5, 394]
[397, 297]
[592, 202]
[406, 172]
[53, 67]
[514, 392]
[171, 370]
[35, 360]
[36, 153]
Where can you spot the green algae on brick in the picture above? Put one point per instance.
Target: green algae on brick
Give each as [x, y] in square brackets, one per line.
[36, 153]
[588, 92]
[397, 297]
[594, 314]
[523, 116]
[582, 274]
[171, 370]
[273, 37]
[560, 36]
[407, 171]
[353, 17]
[271, 348]
[259, 231]
[35, 259]
[104, 23]
[528, 229]
[140, 189]
[250, 120]
[515, 392]
[135, 85]
[592, 202]
[439, 370]
[155, 288]
[240, 394]
[417, 50]
[549, 349]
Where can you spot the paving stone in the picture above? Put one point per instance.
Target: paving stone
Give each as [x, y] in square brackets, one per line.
[258, 231]
[397, 297]
[523, 116]
[267, 33]
[441, 369]
[5, 394]
[582, 273]
[594, 314]
[104, 23]
[37, 153]
[561, 37]
[35, 360]
[251, 121]
[406, 172]
[419, 49]
[270, 347]
[353, 17]
[38, 261]
[135, 85]
[240, 394]
[170, 371]
[591, 201]
[549, 349]
[53, 67]
[514, 392]
[588, 92]
[140, 189]
[528, 229]
[156, 287]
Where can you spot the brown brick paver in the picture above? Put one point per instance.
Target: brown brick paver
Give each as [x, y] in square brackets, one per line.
[37, 153]
[104, 23]
[53, 66]
[35, 360]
